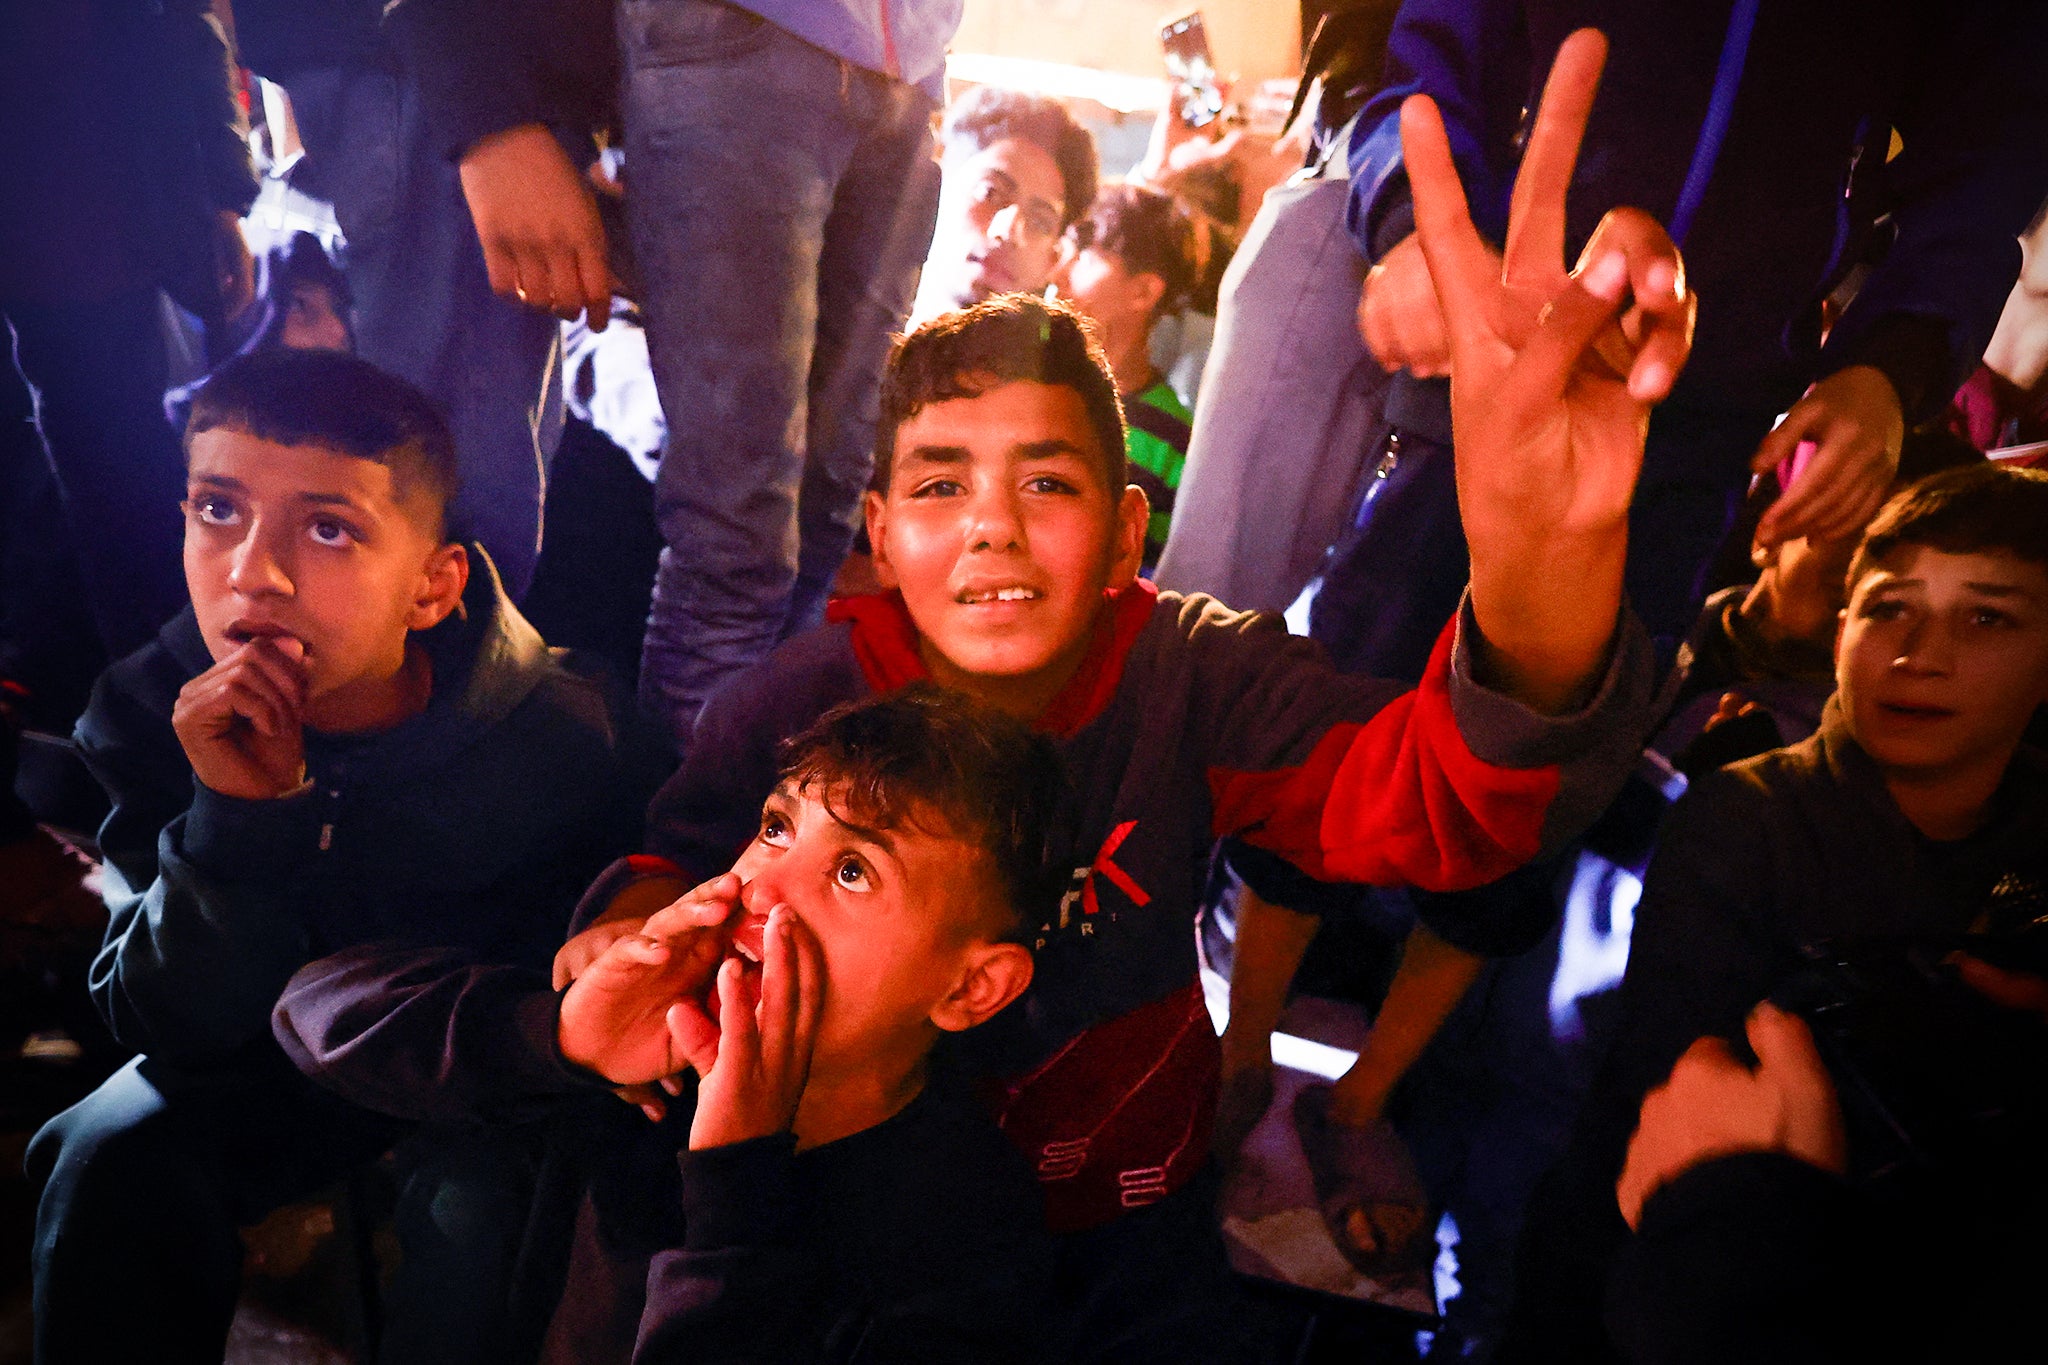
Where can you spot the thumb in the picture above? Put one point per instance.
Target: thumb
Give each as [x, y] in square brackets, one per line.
[1787, 1058]
[1783, 1043]
[692, 1036]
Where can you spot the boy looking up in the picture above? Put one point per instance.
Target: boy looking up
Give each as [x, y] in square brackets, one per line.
[1914, 812]
[1003, 526]
[1129, 262]
[833, 1192]
[340, 740]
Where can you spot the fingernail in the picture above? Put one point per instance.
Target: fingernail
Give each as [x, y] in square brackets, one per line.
[1606, 277]
[1662, 279]
[1650, 379]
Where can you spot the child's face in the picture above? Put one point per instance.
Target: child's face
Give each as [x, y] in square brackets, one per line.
[305, 542]
[1001, 211]
[1943, 657]
[901, 917]
[312, 322]
[1103, 289]
[1002, 532]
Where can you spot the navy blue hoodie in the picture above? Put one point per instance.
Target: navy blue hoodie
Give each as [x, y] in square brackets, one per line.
[473, 825]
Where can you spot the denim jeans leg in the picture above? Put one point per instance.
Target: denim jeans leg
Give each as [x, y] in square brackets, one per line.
[738, 139]
[97, 371]
[424, 306]
[875, 244]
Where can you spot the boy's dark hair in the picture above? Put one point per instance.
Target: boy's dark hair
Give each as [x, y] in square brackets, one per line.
[992, 780]
[987, 115]
[1006, 338]
[1150, 233]
[1978, 509]
[333, 400]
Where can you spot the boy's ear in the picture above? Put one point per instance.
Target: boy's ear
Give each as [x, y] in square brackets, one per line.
[1133, 512]
[995, 974]
[876, 508]
[1147, 289]
[441, 587]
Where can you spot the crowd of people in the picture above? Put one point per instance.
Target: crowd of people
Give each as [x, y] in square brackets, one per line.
[1636, 397]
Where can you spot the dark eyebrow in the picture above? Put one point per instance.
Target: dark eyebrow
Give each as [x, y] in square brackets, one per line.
[938, 454]
[220, 481]
[880, 838]
[1999, 589]
[1047, 450]
[333, 500]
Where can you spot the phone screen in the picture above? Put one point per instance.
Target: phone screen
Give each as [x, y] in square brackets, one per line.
[1186, 43]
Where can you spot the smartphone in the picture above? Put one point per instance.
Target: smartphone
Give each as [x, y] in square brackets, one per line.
[1186, 43]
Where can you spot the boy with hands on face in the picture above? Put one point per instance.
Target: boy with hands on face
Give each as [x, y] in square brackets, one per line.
[835, 1199]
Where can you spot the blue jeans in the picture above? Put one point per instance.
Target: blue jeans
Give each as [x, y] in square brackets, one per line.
[146, 1181]
[424, 306]
[781, 202]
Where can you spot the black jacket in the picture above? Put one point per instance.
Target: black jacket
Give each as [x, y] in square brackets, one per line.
[472, 825]
[1798, 846]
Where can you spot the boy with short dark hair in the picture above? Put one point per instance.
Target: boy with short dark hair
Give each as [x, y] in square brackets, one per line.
[340, 740]
[1127, 263]
[837, 1199]
[1914, 812]
[1017, 170]
[1010, 546]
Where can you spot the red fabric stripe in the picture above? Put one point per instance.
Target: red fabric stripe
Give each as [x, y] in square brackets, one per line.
[650, 863]
[1398, 800]
[886, 641]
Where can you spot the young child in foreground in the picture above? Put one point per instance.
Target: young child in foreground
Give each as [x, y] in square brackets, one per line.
[836, 1202]
[338, 742]
[1916, 812]
[1003, 526]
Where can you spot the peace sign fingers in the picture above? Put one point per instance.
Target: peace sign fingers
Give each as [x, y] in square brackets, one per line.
[1460, 266]
[1536, 215]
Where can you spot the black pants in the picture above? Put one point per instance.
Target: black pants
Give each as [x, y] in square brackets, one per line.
[147, 1180]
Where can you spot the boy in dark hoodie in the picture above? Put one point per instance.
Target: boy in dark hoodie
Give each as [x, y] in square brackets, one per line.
[825, 1192]
[341, 740]
[1002, 523]
[1913, 816]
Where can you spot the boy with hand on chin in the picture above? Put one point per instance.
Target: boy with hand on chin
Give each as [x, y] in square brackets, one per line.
[338, 742]
[836, 1200]
[1002, 525]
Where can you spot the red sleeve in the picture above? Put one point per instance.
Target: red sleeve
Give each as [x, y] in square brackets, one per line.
[1397, 799]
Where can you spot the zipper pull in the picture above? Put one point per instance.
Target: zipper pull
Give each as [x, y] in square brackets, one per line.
[327, 836]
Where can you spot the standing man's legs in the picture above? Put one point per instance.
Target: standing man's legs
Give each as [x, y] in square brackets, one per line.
[748, 151]
[424, 306]
[875, 244]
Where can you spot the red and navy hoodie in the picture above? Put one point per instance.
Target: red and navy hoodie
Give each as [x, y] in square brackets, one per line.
[1186, 722]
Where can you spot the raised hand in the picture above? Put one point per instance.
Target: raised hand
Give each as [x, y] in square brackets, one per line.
[242, 724]
[1552, 378]
[752, 1067]
[614, 1018]
[1852, 427]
